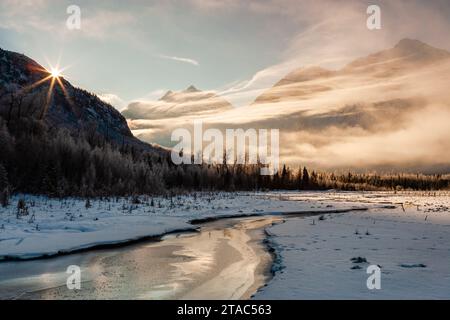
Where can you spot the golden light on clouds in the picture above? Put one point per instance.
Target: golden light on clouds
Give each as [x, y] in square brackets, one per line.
[389, 114]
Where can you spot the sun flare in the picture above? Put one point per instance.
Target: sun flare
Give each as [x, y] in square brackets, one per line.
[56, 73]
[54, 78]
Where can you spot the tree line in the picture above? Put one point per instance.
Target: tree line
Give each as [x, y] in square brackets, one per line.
[53, 161]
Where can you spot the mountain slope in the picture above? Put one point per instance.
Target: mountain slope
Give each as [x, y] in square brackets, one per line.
[26, 91]
[407, 53]
[405, 57]
[388, 110]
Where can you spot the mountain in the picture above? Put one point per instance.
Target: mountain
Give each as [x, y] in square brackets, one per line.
[405, 57]
[26, 91]
[406, 54]
[385, 111]
[60, 140]
[188, 102]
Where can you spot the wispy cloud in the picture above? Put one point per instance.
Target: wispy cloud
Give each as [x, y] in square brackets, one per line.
[351, 120]
[180, 59]
[113, 100]
[35, 16]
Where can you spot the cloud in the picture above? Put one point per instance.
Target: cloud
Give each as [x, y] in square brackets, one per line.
[333, 33]
[177, 104]
[153, 95]
[23, 16]
[214, 5]
[113, 100]
[29, 16]
[370, 118]
[244, 92]
[418, 142]
[104, 24]
[179, 59]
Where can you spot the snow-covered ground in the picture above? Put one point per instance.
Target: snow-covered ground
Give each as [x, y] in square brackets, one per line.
[407, 235]
[54, 225]
[411, 244]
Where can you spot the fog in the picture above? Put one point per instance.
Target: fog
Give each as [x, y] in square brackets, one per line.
[393, 114]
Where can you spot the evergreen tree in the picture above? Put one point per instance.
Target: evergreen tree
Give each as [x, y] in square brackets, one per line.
[305, 178]
[39, 159]
[50, 180]
[284, 176]
[299, 178]
[3, 177]
[4, 186]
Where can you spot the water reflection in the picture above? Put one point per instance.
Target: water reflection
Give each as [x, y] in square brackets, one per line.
[225, 260]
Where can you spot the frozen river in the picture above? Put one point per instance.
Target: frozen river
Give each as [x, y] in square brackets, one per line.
[226, 259]
[323, 249]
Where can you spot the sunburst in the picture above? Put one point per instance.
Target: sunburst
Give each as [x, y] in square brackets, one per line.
[55, 72]
[52, 75]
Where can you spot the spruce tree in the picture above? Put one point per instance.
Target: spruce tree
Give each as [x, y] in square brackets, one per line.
[305, 178]
[4, 186]
[3, 177]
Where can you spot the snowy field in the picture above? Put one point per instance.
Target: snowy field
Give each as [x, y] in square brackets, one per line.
[52, 225]
[411, 244]
[407, 235]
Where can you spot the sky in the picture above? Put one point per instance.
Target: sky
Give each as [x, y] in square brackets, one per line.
[131, 52]
[137, 50]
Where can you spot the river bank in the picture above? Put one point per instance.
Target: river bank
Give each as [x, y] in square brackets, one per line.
[53, 227]
[224, 259]
[312, 256]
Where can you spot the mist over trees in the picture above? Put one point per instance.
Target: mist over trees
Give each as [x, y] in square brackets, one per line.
[65, 141]
[39, 159]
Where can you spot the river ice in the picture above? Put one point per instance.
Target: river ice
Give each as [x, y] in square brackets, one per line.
[407, 235]
[54, 225]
